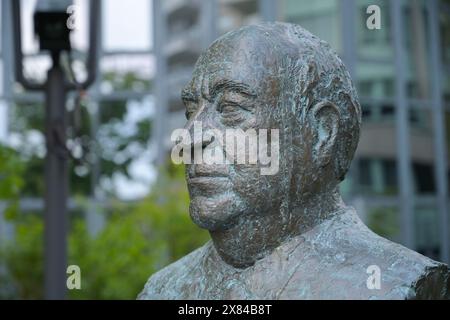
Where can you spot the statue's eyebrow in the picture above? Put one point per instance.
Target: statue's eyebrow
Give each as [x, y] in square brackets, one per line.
[233, 86]
[188, 95]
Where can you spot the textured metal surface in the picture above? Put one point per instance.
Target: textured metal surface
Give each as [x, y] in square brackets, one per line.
[288, 235]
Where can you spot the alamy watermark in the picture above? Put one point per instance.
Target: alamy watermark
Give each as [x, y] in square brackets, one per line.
[72, 20]
[374, 280]
[74, 278]
[374, 20]
[231, 146]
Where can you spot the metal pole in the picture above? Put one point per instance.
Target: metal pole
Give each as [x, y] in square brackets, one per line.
[56, 166]
[6, 229]
[209, 11]
[348, 10]
[7, 56]
[402, 126]
[268, 10]
[94, 217]
[440, 148]
[56, 181]
[159, 36]
[348, 16]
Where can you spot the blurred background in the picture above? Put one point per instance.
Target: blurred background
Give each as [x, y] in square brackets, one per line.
[128, 205]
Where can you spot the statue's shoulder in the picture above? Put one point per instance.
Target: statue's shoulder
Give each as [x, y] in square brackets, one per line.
[170, 282]
[404, 273]
[347, 258]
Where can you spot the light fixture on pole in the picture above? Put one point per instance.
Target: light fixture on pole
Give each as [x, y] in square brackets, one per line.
[51, 27]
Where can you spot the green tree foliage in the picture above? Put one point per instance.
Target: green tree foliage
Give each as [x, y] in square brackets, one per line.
[384, 222]
[24, 259]
[138, 240]
[11, 181]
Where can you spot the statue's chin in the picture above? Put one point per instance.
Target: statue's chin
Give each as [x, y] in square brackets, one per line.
[214, 214]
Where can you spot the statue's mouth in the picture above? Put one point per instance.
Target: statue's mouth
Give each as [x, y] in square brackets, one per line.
[207, 171]
[208, 187]
[208, 180]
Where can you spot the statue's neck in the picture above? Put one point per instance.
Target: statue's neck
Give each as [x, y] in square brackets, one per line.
[254, 237]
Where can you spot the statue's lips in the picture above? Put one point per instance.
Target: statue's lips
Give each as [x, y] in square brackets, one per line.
[209, 185]
[203, 170]
[207, 179]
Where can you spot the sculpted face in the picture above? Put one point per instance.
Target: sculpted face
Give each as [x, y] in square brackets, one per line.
[286, 235]
[236, 85]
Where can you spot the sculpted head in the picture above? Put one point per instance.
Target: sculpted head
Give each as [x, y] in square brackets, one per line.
[271, 76]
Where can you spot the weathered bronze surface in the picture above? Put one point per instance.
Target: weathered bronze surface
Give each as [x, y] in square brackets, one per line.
[287, 235]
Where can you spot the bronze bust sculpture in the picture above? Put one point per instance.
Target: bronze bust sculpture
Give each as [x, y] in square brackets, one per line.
[286, 235]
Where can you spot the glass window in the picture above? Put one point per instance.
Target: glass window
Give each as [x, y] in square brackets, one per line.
[321, 17]
[446, 86]
[366, 112]
[424, 178]
[416, 48]
[390, 176]
[447, 139]
[426, 231]
[378, 176]
[387, 111]
[422, 150]
[384, 220]
[364, 172]
[375, 79]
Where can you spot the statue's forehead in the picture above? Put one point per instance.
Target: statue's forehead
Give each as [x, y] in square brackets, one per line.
[214, 70]
[240, 66]
[244, 56]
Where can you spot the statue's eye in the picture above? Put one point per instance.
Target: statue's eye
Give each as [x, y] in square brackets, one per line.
[229, 107]
[232, 113]
[234, 103]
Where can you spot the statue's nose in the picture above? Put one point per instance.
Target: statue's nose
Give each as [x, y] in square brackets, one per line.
[200, 140]
[202, 122]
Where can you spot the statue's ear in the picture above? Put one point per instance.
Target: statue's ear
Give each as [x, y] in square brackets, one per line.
[325, 119]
